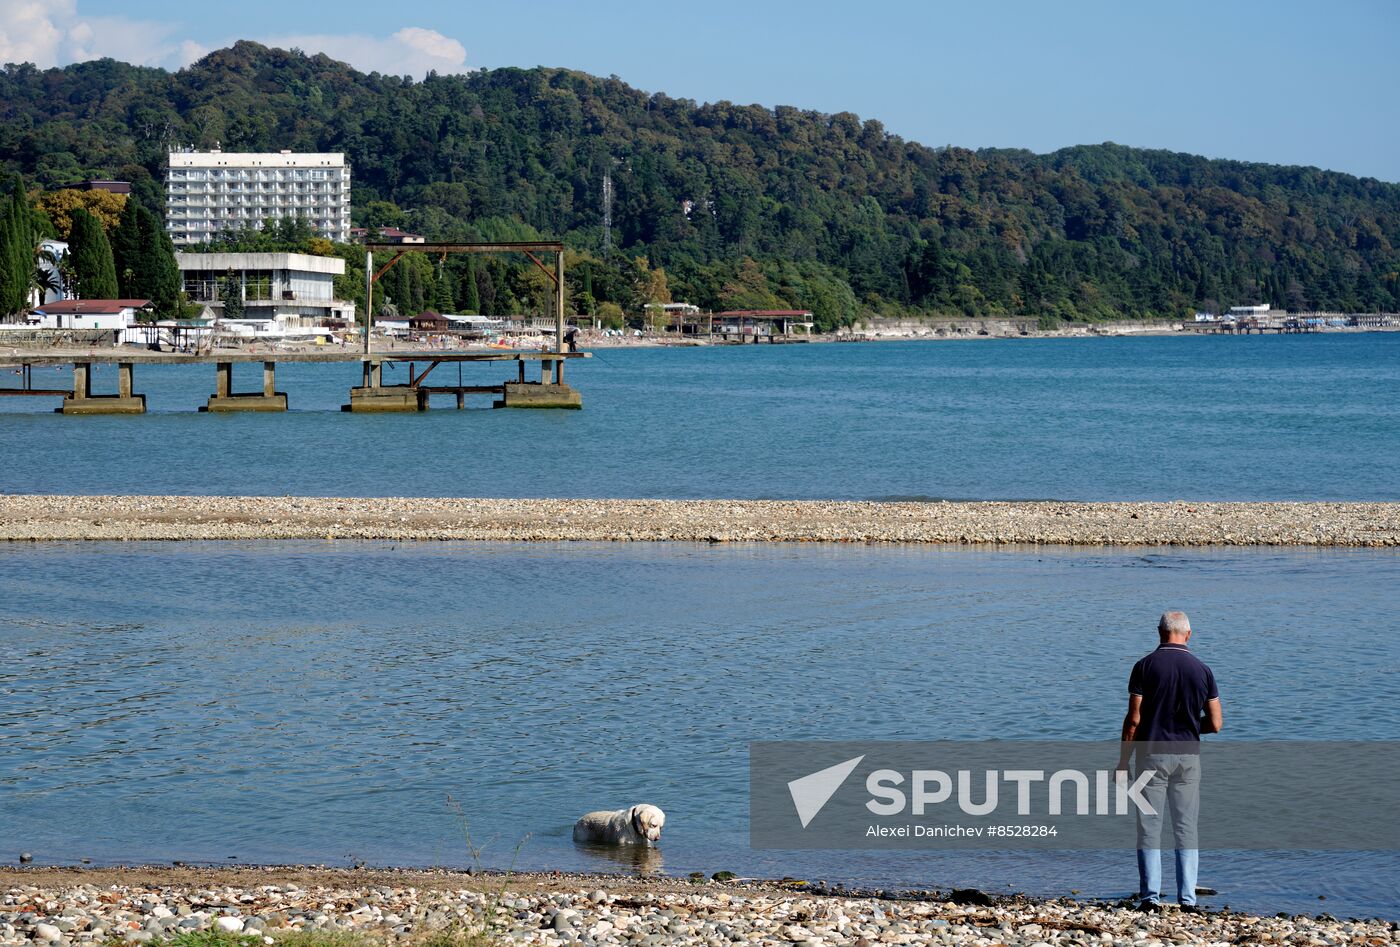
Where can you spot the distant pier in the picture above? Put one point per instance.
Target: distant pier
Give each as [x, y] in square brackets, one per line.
[1254, 327]
[371, 395]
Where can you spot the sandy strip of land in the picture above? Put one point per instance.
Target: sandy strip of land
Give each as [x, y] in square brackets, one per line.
[44, 517]
[345, 908]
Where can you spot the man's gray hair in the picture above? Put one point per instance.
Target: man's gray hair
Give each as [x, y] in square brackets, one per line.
[1173, 624]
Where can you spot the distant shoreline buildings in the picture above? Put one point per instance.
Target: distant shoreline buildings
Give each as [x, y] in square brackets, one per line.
[211, 192]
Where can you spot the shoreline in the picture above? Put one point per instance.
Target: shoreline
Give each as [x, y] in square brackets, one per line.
[45, 518]
[966, 329]
[67, 905]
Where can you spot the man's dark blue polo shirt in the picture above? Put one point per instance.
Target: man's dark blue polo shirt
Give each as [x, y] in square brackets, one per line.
[1175, 686]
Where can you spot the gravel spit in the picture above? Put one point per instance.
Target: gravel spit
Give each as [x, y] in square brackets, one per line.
[46, 517]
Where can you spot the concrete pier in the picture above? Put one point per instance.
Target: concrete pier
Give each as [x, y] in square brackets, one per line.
[371, 395]
[225, 399]
[549, 392]
[542, 395]
[83, 401]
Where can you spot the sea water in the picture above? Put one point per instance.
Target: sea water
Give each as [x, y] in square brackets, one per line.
[345, 702]
[1250, 418]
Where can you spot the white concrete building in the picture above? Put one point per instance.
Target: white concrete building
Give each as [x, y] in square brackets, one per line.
[208, 192]
[114, 315]
[291, 289]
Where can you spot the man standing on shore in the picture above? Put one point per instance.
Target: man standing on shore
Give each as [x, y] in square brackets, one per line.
[1172, 700]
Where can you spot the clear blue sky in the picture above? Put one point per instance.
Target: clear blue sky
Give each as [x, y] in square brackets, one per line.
[1283, 81]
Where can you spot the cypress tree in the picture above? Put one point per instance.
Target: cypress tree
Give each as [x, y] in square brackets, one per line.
[9, 236]
[144, 259]
[93, 267]
[442, 300]
[17, 240]
[159, 257]
[415, 290]
[471, 297]
[127, 251]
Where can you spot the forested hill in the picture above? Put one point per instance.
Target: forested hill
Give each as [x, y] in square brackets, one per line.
[742, 205]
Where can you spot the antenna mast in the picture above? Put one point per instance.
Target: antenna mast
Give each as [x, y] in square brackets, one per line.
[607, 212]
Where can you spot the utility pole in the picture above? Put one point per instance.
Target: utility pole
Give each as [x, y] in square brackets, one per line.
[369, 295]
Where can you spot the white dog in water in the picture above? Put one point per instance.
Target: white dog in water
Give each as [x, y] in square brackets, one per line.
[639, 825]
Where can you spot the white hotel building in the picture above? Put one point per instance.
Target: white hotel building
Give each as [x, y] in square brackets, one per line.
[207, 192]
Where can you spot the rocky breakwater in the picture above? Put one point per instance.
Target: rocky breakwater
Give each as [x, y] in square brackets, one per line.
[468, 910]
[41, 517]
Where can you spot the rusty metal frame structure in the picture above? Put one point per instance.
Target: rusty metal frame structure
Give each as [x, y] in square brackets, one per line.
[529, 248]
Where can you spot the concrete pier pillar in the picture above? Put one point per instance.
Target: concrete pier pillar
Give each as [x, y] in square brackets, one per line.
[521, 363]
[83, 401]
[225, 399]
[515, 395]
[380, 399]
[544, 372]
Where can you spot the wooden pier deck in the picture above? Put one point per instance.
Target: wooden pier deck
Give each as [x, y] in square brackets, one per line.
[372, 395]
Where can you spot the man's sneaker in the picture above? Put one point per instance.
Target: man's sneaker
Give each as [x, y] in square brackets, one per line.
[1149, 907]
[1192, 909]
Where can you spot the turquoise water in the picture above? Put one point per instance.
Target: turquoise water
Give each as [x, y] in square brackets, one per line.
[1294, 417]
[320, 702]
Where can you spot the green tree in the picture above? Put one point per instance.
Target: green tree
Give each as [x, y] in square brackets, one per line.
[127, 250]
[442, 293]
[231, 295]
[17, 241]
[94, 271]
[471, 296]
[144, 259]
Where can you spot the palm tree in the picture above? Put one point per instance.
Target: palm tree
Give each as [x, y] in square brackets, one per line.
[45, 277]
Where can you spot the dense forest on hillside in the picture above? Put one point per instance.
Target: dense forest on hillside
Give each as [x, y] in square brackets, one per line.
[732, 206]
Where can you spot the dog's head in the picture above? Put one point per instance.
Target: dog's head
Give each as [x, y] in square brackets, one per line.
[647, 820]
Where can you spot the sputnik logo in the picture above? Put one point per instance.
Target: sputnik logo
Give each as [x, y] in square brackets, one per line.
[813, 791]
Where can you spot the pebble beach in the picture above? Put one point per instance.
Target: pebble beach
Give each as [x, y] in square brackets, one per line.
[340, 908]
[49, 517]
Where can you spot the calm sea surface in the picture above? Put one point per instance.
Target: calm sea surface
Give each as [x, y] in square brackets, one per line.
[321, 702]
[1291, 417]
[275, 702]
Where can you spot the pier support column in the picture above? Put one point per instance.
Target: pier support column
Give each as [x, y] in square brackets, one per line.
[374, 397]
[83, 401]
[226, 400]
[543, 395]
[521, 363]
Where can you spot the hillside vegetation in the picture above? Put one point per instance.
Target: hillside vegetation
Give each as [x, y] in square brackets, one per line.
[733, 206]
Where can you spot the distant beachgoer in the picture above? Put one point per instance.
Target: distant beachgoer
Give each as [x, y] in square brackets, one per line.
[571, 338]
[1172, 700]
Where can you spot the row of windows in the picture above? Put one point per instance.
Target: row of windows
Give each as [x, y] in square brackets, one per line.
[180, 227]
[207, 207]
[258, 189]
[246, 174]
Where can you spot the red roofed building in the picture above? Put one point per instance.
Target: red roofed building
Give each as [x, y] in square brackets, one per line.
[112, 314]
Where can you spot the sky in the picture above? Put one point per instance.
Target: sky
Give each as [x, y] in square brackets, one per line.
[1285, 82]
